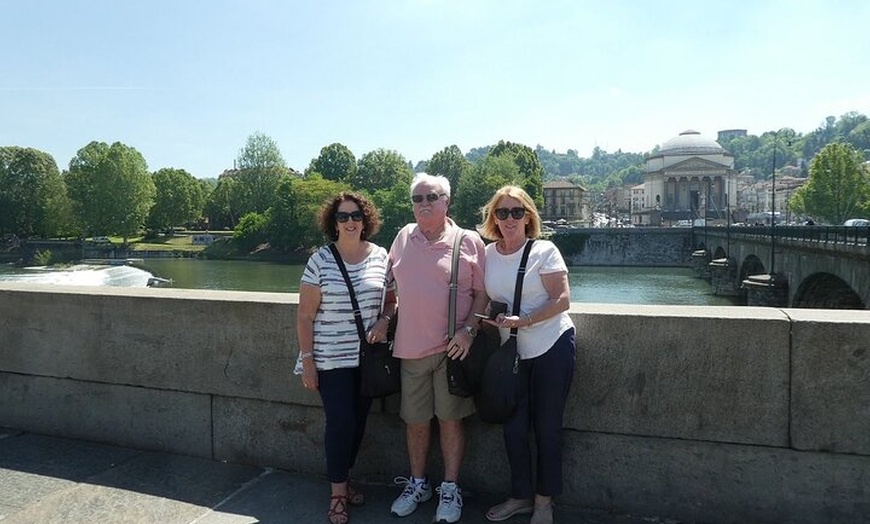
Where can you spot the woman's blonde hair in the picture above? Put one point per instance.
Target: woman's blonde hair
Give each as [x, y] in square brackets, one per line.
[489, 229]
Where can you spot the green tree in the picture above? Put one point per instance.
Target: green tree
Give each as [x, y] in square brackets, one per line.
[179, 199]
[838, 187]
[260, 166]
[311, 193]
[335, 162]
[448, 162]
[282, 226]
[110, 188]
[529, 165]
[251, 231]
[224, 204]
[33, 199]
[381, 169]
[395, 206]
[478, 183]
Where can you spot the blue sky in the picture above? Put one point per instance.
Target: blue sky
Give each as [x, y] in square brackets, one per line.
[186, 82]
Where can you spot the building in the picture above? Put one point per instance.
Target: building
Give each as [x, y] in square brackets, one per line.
[728, 134]
[564, 200]
[690, 177]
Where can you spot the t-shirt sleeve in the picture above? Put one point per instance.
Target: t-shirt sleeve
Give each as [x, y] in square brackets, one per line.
[552, 261]
[311, 274]
[477, 258]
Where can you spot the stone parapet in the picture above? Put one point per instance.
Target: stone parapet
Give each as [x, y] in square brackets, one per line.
[714, 414]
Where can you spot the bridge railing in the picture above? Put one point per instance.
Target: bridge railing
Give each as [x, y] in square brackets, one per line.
[854, 236]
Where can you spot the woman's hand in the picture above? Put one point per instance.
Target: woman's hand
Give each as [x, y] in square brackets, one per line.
[309, 374]
[507, 321]
[378, 332]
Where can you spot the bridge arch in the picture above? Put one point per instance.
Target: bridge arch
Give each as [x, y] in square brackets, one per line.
[824, 290]
[752, 265]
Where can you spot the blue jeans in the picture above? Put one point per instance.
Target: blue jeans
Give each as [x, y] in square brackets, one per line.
[542, 392]
[346, 414]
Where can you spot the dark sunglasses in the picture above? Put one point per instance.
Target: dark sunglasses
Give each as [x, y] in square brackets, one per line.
[517, 213]
[343, 217]
[431, 197]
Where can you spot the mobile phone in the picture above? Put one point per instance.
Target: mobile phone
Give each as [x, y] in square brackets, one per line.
[481, 315]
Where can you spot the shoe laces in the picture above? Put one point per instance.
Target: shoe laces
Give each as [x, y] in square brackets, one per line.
[447, 494]
[410, 486]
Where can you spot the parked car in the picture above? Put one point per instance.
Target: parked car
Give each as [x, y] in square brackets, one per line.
[857, 222]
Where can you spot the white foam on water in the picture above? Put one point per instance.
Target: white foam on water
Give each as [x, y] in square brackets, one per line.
[80, 275]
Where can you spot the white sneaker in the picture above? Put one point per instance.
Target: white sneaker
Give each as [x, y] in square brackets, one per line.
[414, 493]
[450, 503]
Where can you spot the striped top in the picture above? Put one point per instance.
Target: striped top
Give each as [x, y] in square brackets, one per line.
[336, 340]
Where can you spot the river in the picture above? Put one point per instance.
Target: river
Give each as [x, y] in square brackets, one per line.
[614, 285]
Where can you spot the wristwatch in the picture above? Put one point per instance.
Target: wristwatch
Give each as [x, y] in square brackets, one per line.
[471, 330]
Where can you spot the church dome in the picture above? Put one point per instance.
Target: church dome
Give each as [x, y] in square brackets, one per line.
[691, 142]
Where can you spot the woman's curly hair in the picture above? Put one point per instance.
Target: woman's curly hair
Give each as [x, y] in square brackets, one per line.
[371, 215]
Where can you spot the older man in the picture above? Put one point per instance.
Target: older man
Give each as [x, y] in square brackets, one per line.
[421, 256]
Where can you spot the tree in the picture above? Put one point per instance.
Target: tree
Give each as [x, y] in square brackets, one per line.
[336, 162]
[838, 187]
[179, 199]
[311, 193]
[529, 165]
[224, 204]
[381, 169]
[448, 162]
[477, 185]
[33, 199]
[260, 165]
[395, 206]
[282, 225]
[110, 188]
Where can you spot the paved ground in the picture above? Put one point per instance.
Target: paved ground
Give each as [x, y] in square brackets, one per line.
[48, 480]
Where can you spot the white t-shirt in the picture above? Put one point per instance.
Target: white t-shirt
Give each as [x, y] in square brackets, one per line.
[501, 277]
[336, 339]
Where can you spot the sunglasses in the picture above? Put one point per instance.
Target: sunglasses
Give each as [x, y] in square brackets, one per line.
[343, 217]
[515, 212]
[431, 197]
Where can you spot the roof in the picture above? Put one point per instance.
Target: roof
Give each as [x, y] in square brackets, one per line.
[690, 142]
[561, 183]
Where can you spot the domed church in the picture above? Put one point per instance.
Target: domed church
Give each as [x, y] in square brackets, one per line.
[690, 177]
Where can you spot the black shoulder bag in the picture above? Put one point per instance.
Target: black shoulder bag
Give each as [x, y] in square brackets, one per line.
[497, 399]
[379, 369]
[463, 376]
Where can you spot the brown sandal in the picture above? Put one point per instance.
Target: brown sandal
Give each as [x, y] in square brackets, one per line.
[354, 497]
[337, 513]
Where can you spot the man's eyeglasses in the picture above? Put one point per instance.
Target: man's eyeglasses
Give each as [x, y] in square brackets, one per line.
[343, 217]
[517, 213]
[431, 197]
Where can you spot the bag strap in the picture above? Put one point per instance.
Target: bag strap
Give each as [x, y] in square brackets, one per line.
[357, 314]
[518, 289]
[454, 272]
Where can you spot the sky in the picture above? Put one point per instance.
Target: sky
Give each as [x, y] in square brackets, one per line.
[186, 82]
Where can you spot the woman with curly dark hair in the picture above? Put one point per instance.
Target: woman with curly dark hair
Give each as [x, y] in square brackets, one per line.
[328, 338]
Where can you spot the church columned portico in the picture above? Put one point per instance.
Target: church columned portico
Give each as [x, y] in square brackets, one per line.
[691, 177]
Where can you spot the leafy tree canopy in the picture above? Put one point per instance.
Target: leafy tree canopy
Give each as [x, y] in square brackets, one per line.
[381, 169]
[110, 188]
[33, 199]
[448, 162]
[335, 162]
[179, 199]
[838, 187]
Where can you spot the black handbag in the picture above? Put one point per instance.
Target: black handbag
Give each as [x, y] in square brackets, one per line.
[379, 369]
[496, 399]
[463, 376]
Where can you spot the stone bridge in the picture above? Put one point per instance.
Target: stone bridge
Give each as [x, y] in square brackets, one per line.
[816, 267]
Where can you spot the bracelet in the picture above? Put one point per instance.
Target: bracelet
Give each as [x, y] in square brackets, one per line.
[529, 316]
[306, 354]
[388, 318]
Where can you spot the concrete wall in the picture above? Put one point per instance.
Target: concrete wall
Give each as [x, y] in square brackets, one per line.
[706, 414]
[642, 247]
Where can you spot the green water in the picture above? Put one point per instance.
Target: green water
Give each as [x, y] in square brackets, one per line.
[615, 285]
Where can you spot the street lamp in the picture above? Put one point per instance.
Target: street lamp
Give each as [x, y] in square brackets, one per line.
[788, 133]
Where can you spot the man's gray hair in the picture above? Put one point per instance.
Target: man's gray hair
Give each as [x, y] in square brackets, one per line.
[436, 180]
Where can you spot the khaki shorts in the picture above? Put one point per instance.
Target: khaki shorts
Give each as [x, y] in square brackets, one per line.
[424, 392]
